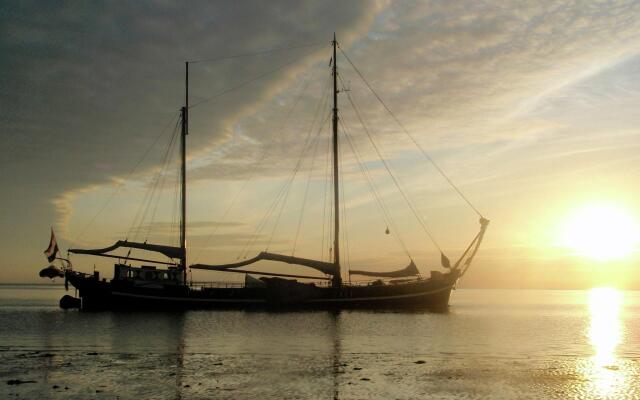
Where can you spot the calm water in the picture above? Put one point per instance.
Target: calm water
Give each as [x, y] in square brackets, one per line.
[492, 344]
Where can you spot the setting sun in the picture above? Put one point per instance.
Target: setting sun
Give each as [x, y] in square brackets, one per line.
[601, 232]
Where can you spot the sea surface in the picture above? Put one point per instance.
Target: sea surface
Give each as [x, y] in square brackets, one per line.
[491, 344]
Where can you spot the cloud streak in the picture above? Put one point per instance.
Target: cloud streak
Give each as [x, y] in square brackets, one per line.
[496, 91]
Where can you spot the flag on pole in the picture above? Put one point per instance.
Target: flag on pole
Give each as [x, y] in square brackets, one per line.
[52, 250]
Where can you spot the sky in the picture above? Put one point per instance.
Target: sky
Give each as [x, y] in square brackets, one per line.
[529, 108]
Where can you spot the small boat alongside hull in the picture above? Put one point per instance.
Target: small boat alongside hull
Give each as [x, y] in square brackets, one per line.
[432, 293]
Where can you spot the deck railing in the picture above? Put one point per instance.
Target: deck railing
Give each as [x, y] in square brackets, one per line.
[215, 284]
[200, 285]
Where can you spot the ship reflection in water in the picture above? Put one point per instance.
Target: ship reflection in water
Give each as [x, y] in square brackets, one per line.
[548, 344]
[605, 372]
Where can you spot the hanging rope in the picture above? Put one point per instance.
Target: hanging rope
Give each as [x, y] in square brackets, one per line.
[304, 198]
[250, 80]
[150, 196]
[284, 188]
[413, 209]
[293, 176]
[257, 53]
[282, 193]
[345, 233]
[121, 183]
[325, 191]
[261, 224]
[146, 199]
[163, 174]
[386, 215]
[321, 106]
[255, 166]
[175, 211]
[415, 142]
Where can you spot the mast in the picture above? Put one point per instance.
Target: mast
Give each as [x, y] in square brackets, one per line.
[183, 170]
[337, 278]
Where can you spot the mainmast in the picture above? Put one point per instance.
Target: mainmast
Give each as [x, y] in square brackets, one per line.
[337, 278]
[183, 170]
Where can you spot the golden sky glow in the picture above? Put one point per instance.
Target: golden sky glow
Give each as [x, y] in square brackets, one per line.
[530, 108]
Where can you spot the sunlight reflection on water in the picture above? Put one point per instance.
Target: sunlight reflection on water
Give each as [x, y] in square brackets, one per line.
[605, 334]
[492, 344]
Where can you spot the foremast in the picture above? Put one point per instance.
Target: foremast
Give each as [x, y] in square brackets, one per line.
[337, 278]
[183, 176]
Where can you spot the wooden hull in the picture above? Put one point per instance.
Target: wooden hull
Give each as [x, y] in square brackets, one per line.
[279, 294]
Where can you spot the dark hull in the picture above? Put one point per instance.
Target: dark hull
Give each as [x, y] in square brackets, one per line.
[280, 294]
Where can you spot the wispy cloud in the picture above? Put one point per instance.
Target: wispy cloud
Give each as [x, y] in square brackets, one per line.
[506, 97]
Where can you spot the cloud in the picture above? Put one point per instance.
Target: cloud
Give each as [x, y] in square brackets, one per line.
[497, 93]
[89, 86]
[457, 75]
[168, 228]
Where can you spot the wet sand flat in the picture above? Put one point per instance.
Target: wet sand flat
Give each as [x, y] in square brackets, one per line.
[546, 344]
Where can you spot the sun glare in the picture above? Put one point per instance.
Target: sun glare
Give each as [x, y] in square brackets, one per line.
[601, 232]
[605, 333]
[605, 372]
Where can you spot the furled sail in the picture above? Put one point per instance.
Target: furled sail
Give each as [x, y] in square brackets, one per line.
[322, 266]
[252, 282]
[169, 251]
[409, 270]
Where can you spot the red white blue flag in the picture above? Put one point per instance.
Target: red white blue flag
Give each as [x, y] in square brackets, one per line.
[52, 250]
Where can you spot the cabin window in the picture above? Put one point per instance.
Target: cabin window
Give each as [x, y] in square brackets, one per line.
[132, 274]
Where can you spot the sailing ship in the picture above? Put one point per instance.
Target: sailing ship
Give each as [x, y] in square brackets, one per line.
[164, 284]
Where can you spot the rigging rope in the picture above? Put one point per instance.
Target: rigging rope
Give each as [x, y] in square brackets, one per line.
[284, 189]
[122, 182]
[290, 184]
[415, 142]
[276, 200]
[137, 225]
[261, 224]
[160, 187]
[251, 80]
[175, 211]
[386, 215]
[255, 166]
[151, 192]
[256, 53]
[147, 196]
[321, 106]
[345, 236]
[332, 210]
[413, 209]
[326, 184]
[304, 199]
